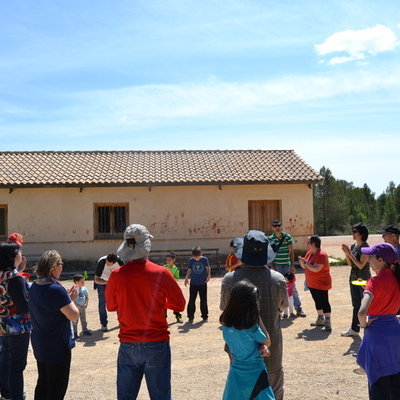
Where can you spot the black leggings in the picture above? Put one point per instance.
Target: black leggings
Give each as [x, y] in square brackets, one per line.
[386, 387]
[53, 379]
[321, 300]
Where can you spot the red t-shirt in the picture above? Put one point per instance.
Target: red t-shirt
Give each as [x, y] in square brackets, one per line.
[231, 260]
[386, 291]
[141, 291]
[322, 279]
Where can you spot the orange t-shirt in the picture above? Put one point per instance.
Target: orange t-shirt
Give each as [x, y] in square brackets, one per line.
[322, 279]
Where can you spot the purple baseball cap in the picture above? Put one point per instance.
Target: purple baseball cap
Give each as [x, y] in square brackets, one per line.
[383, 250]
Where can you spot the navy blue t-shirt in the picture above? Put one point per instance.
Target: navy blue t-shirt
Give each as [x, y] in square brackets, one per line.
[199, 271]
[52, 334]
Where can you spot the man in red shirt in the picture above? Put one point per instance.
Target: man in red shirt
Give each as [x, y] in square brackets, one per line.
[140, 291]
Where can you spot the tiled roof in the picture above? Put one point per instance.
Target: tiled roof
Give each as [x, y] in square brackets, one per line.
[145, 168]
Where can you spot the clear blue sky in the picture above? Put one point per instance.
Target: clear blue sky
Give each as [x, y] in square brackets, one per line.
[319, 77]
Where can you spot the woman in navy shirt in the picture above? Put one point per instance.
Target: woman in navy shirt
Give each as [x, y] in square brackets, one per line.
[52, 309]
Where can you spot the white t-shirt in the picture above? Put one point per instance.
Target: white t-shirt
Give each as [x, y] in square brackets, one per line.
[107, 270]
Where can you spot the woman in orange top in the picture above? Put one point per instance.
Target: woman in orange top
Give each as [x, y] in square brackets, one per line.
[319, 280]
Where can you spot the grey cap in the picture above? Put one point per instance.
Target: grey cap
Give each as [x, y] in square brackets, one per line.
[137, 243]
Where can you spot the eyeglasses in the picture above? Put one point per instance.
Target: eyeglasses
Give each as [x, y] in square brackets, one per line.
[276, 226]
[354, 231]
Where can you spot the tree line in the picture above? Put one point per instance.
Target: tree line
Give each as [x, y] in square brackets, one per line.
[338, 205]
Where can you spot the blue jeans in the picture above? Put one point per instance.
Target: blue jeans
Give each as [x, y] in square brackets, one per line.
[285, 269]
[14, 354]
[102, 304]
[151, 359]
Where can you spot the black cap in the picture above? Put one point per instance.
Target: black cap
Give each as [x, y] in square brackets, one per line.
[390, 229]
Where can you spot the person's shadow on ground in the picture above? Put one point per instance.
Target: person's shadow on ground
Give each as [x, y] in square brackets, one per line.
[189, 326]
[314, 334]
[286, 322]
[97, 336]
[354, 346]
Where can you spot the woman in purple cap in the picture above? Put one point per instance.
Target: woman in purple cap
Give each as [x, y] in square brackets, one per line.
[379, 353]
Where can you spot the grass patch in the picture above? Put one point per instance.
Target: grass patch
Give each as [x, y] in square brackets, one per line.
[337, 262]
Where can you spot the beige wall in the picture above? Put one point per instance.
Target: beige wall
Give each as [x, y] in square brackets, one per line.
[178, 217]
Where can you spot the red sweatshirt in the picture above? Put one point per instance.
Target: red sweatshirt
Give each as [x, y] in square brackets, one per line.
[141, 291]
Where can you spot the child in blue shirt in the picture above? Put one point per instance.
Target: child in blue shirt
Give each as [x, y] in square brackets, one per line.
[199, 272]
[81, 303]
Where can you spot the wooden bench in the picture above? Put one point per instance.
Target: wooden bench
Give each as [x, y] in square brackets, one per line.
[183, 255]
[156, 256]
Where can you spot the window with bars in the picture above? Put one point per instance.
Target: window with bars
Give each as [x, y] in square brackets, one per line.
[3, 222]
[262, 213]
[111, 220]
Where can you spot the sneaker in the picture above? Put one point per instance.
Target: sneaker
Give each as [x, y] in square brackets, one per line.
[104, 328]
[205, 319]
[87, 333]
[190, 321]
[292, 315]
[349, 332]
[318, 322]
[179, 319]
[284, 316]
[328, 326]
[301, 313]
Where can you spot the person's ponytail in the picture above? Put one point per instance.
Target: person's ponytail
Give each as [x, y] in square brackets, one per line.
[396, 269]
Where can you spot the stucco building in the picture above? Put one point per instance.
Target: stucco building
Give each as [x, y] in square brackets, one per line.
[79, 202]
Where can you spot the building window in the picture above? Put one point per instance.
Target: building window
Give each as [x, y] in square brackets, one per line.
[3, 222]
[111, 220]
[262, 213]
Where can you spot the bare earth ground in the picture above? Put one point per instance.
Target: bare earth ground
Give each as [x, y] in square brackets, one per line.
[318, 365]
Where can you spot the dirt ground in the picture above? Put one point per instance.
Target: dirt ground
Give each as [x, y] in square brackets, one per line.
[318, 365]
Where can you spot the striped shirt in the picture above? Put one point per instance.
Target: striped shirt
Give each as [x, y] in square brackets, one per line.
[283, 255]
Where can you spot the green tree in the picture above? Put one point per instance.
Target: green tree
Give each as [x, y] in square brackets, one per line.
[389, 205]
[361, 205]
[329, 204]
[338, 204]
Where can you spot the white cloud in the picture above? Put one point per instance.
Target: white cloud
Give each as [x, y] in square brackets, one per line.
[131, 105]
[358, 44]
[341, 60]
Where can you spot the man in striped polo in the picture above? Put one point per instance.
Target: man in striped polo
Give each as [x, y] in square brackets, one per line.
[284, 260]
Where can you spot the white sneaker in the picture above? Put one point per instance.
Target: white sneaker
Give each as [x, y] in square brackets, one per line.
[349, 332]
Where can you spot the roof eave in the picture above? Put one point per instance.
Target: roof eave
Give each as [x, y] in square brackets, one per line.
[147, 184]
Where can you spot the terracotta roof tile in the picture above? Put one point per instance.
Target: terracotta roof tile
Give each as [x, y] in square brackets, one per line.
[110, 168]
